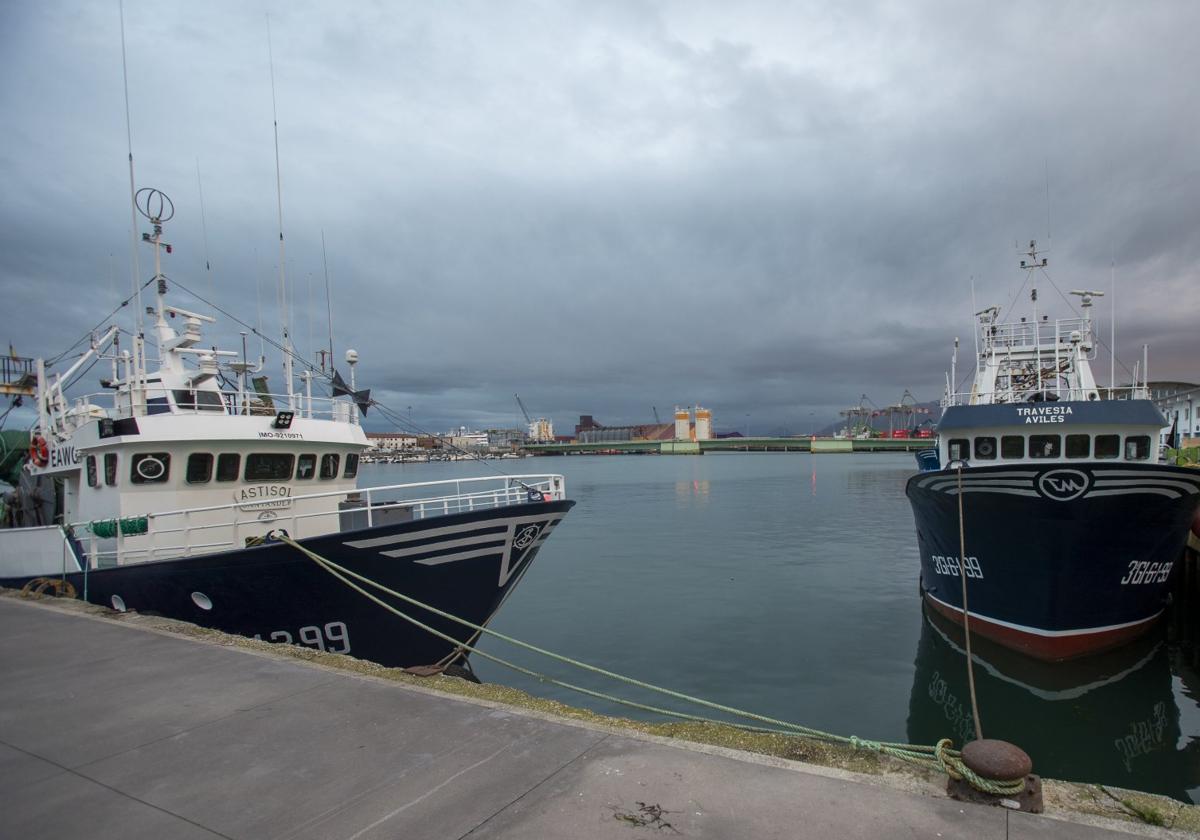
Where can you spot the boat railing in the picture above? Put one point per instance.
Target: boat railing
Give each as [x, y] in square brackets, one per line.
[1030, 334]
[251, 403]
[1009, 396]
[203, 530]
[304, 405]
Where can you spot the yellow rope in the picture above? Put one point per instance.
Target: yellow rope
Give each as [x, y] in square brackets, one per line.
[940, 756]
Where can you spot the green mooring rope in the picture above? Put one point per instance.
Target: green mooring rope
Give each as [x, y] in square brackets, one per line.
[938, 757]
[106, 529]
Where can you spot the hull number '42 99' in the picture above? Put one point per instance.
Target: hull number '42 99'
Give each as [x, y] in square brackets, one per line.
[333, 637]
[949, 566]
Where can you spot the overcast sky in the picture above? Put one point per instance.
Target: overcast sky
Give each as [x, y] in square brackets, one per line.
[768, 209]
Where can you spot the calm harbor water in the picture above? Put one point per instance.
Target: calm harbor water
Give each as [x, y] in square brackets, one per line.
[786, 584]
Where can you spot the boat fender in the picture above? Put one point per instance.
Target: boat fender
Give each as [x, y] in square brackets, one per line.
[39, 452]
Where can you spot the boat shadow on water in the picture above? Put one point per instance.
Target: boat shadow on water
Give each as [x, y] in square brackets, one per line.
[1109, 719]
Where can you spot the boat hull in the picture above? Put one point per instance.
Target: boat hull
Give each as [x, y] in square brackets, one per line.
[463, 564]
[1061, 561]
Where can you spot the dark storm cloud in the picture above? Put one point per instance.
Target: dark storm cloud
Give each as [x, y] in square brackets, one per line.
[769, 210]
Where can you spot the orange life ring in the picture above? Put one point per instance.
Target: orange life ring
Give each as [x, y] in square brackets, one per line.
[39, 452]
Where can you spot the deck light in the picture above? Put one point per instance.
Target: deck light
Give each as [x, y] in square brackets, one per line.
[283, 420]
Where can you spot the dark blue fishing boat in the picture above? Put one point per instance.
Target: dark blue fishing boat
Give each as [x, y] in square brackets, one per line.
[1071, 522]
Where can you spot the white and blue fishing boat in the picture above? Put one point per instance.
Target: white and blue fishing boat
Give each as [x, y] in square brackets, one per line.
[1071, 521]
[168, 490]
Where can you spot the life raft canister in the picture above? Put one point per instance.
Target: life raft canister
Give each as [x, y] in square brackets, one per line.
[39, 452]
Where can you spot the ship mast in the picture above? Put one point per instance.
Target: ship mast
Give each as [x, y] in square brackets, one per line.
[1031, 265]
[284, 312]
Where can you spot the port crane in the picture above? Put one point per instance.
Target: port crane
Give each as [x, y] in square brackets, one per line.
[524, 411]
[540, 430]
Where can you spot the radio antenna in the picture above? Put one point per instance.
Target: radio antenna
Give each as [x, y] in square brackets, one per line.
[283, 294]
[328, 305]
[1112, 324]
[1049, 241]
[204, 230]
[137, 270]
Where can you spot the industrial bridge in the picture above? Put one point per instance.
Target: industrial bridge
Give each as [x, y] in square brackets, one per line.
[740, 444]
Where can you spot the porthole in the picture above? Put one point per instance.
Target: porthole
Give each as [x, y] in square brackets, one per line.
[985, 448]
[150, 467]
[201, 600]
[118, 603]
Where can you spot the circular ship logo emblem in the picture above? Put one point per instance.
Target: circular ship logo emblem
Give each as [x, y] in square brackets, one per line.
[525, 538]
[1064, 485]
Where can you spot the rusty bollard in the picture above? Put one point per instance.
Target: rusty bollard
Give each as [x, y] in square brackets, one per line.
[998, 761]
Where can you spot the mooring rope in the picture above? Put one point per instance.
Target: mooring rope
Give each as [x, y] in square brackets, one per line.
[962, 576]
[940, 756]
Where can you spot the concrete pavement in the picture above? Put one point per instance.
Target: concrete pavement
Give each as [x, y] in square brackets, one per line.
[111, 730]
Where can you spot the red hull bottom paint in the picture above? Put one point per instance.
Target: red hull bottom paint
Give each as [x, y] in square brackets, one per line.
[1047, 648]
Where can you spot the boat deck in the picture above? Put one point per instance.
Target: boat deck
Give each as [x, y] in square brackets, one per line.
[111, 729]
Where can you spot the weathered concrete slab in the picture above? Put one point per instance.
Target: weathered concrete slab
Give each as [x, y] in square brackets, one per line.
[19, 769]
[111, 730]
[79, 691]
[338, 760]
[1030, 827]
[626, 784]
[69, 806]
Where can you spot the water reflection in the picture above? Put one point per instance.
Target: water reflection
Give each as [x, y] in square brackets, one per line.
[694, 490]
[1110, 719]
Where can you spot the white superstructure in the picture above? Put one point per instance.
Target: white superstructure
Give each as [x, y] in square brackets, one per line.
[1034, 359]
[167, 463]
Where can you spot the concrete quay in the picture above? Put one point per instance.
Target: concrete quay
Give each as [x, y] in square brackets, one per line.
[113, 729]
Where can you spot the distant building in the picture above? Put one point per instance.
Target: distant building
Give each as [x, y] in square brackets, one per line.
[465, 439]
[541, 430]
[391, 441]
[587, 430]
[1178, 402]
[505, 438]
[683, 424]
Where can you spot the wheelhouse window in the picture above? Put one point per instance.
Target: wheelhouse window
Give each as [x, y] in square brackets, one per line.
[1108, 446]
[150, 468]
[1137, 447]
[329, 465]
[1079, 446]
[199, 468]
[228, 465]
[1012, 446]
[264, 466]
[93, 477]
[959, 449]
[110, 469]
[1045, 446]
[306, 466]
[351, 466]
[985, 448]
[198, 400]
